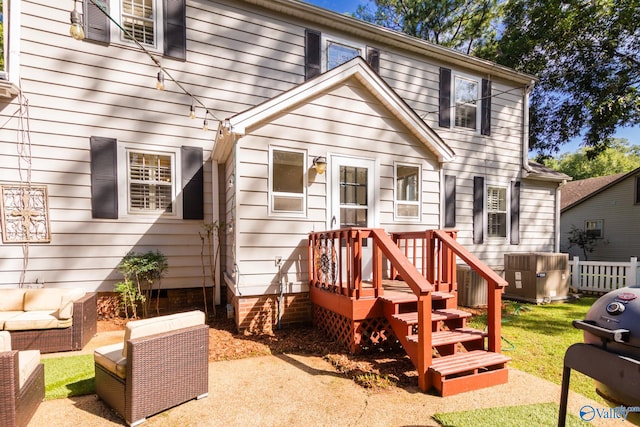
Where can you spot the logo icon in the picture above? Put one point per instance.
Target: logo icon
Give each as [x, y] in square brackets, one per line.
[587, 413]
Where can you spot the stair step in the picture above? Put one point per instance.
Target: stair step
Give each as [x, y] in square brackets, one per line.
[407, 297]
[441, 338]
[459, 363]
[411, 318]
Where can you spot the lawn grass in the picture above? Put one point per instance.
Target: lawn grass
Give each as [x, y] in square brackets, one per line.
[536, 338]
[538, 415]
[68, 376]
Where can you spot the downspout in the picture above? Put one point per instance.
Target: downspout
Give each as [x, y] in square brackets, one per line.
[557, 215]
[525, 127]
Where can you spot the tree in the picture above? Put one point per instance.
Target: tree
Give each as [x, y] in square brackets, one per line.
[619, 157]
[463, 25]
[587, 56]
[582, 239]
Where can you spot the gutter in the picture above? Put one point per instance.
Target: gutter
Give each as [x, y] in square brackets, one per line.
[525, 127]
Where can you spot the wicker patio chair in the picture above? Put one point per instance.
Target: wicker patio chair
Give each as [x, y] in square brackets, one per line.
[21, 383]
[162, 363]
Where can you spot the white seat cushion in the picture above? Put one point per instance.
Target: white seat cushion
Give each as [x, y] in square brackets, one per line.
[5, 341]
[32, 320]
[5, 315]
[110, 358]
[156, 325]
[28, 360]
[11, 299]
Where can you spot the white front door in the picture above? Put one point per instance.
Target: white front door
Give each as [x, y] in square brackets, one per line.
[353, 198]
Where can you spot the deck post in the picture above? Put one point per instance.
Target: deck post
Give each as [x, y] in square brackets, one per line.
[424, 341]
[377, 269]
[494, 322]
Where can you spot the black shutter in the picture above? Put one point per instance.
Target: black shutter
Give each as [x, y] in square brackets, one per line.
[373, 58]
[175, 29]
[515, 212]
[445, 97]
[478, 209]
[192, 183]
[312, 54]
[104, 178]
[96, 23]
[485, 109]
[449, 201]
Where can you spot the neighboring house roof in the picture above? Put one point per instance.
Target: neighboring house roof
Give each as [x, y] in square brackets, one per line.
[385, 36]
[543, 173]
[574, 193]
[356, 68]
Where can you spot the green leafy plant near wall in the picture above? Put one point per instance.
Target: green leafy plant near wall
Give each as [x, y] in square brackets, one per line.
[141, 272]
[213, 235]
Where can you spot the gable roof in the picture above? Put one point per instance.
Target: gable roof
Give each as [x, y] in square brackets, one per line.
[356, 68]
[576, 192]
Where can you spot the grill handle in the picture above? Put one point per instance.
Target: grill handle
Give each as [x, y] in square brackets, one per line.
[617, 335]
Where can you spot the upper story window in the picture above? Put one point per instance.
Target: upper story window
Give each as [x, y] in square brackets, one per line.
[287, 188]
[151, 182]
[339, 53]
[407, 191]
[155, 24]
[496, 211]
[138, 18]
[324, 52]
[466, 96]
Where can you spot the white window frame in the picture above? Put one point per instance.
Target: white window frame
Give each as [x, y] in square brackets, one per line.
[455, 76]
[158, 31]
[328, 39]
[599, 227]
[397, 202]
[507, 211]
[272, 194]
[124, 199]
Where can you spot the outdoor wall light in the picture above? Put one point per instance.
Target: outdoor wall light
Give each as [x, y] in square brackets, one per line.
[320, 164]
[76, 30]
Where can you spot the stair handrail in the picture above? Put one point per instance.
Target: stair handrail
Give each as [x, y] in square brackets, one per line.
[495, 287]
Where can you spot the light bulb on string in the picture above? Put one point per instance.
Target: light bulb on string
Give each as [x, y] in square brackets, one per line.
[160, 81]
[192, 112]
[76, 31]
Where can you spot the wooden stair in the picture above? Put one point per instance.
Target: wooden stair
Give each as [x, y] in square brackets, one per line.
[460, 362]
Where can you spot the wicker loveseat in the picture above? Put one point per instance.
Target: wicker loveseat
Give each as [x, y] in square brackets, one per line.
[161, 363]
[21, 383]
[48, 319]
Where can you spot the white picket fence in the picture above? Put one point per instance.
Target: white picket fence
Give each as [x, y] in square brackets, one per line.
[603, 276]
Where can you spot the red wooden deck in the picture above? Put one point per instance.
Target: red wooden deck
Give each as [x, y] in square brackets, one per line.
[410, 299]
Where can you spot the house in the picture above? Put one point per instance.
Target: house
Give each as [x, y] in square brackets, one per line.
[608, 208]
[97, 162]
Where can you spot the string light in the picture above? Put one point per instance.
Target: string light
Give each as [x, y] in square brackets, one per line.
[192, 112]
[160, 81]
[163, 71]
[205, 125]
[76, 30]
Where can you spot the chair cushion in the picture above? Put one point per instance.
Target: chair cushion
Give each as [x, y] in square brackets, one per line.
[5, 341]
[156, 325]
[5, 315]
[28, 360]
[11, 299]
[32, 320]
[110, 357]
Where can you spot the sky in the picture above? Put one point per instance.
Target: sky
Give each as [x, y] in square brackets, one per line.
[344, 6]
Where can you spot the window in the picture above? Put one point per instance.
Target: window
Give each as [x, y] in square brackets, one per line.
[338, 54]
[287, 181]
[594, 228]
[496, 211]
[151, 182]
[138, 18]
[466, 97]
[158, 25]
[407, 191]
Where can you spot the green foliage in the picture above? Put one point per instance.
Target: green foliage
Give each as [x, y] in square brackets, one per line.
[619, 157]
[582, 239]
[140, 272]
[464, 25]
[587, 56]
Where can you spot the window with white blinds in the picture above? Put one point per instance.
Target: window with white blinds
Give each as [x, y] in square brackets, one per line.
[138, 18]
[151, 182]
[496, 211]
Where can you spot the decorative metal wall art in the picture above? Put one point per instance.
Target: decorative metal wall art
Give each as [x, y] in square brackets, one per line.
[25, 214]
